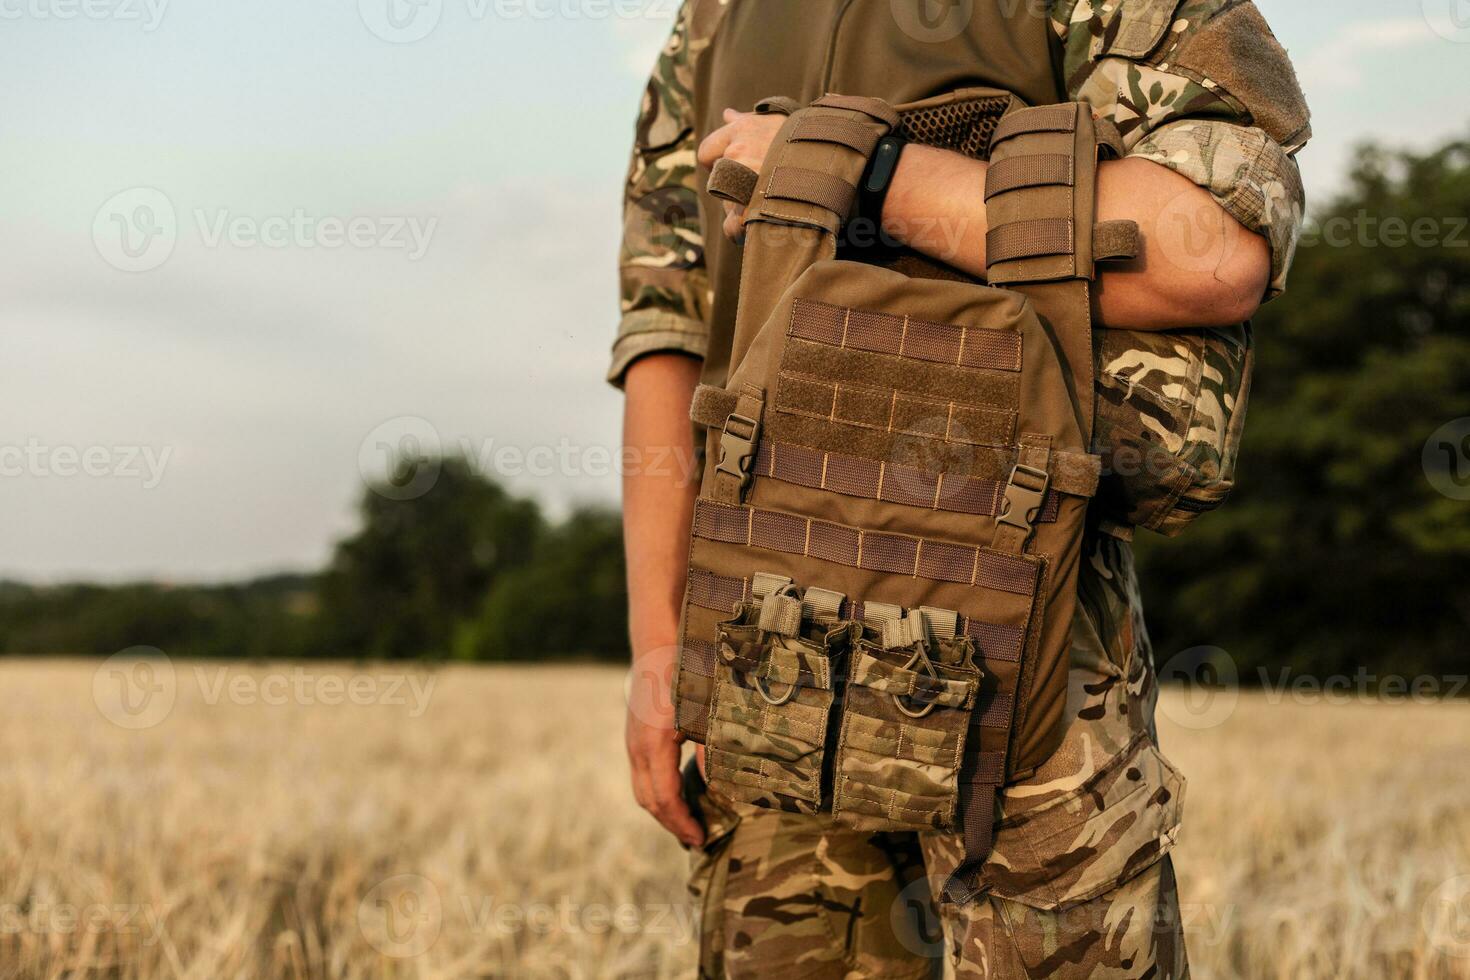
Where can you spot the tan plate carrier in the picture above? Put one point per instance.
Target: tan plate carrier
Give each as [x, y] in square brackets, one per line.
[885, 548]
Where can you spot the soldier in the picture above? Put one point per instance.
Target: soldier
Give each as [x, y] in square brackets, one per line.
[1079, 882]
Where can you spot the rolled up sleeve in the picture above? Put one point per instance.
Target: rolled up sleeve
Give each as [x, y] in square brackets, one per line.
[665, 293]
[1203, 88]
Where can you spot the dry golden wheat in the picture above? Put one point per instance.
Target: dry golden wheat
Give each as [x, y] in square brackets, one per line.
[336, 821]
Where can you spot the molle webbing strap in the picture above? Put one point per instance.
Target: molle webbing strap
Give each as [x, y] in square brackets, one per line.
[1029, 239]
[985, 774]
[812, 187]
[877, 615]
[876, 108]
[872, 479]
[1042, 170]
[822, 605]
[835, 129]
[722, 593]
[896, 554]
[763, 584]
[781, 614]
[1059, 118]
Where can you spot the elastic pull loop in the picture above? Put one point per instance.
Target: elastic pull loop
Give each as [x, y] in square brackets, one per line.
[921, 655]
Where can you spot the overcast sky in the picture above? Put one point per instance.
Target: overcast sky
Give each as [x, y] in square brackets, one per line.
[246, 244]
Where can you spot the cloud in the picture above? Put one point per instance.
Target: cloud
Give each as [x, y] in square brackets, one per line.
[1337, 63]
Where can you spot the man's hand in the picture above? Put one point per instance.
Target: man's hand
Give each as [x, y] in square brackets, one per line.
[745, 138]
[653, 746]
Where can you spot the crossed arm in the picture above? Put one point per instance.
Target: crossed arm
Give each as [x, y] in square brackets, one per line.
[1199, 268]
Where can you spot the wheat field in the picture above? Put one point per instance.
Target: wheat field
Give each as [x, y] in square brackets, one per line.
[345, 821]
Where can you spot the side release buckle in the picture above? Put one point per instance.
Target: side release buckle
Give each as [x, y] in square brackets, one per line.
[1024, 495]
[737, 447]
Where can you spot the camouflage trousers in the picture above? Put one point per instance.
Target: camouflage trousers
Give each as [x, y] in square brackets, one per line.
[1080, 883]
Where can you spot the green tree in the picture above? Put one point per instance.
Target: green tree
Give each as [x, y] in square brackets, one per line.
[398, 587]
[570, 600]
[1338, 551]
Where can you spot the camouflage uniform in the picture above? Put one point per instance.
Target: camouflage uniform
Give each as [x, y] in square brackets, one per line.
[1079, 880]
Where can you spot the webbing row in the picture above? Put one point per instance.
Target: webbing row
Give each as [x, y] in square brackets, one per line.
[894, 554]
[888, 333]
[871, 479]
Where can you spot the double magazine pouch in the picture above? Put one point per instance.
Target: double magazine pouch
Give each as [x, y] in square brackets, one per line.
[885, 549]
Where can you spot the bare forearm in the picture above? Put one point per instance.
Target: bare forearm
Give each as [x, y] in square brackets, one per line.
[1199, 267]
[658, 494]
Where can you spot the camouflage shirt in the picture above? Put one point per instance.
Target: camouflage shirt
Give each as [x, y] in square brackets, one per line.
[1174, 76]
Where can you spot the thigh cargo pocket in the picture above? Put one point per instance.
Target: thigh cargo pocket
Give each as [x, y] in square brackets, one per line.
[906, 713]
[770, 713]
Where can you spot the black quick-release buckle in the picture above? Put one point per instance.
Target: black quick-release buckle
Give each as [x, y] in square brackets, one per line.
[1025, 493]
[737, 447]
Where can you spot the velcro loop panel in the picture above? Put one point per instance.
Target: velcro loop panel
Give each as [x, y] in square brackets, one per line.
[836, 129]
[877, 108]
[732, 181]
[712, 405]
[1059, 118]
[1041, 170]
[1116, 240]
[1109, 138]
[1029, 240]
[812, 187]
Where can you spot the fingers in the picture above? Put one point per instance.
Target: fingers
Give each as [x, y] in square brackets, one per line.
[654, 758]
[734, 224]
[714, 145]
[669, 806]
